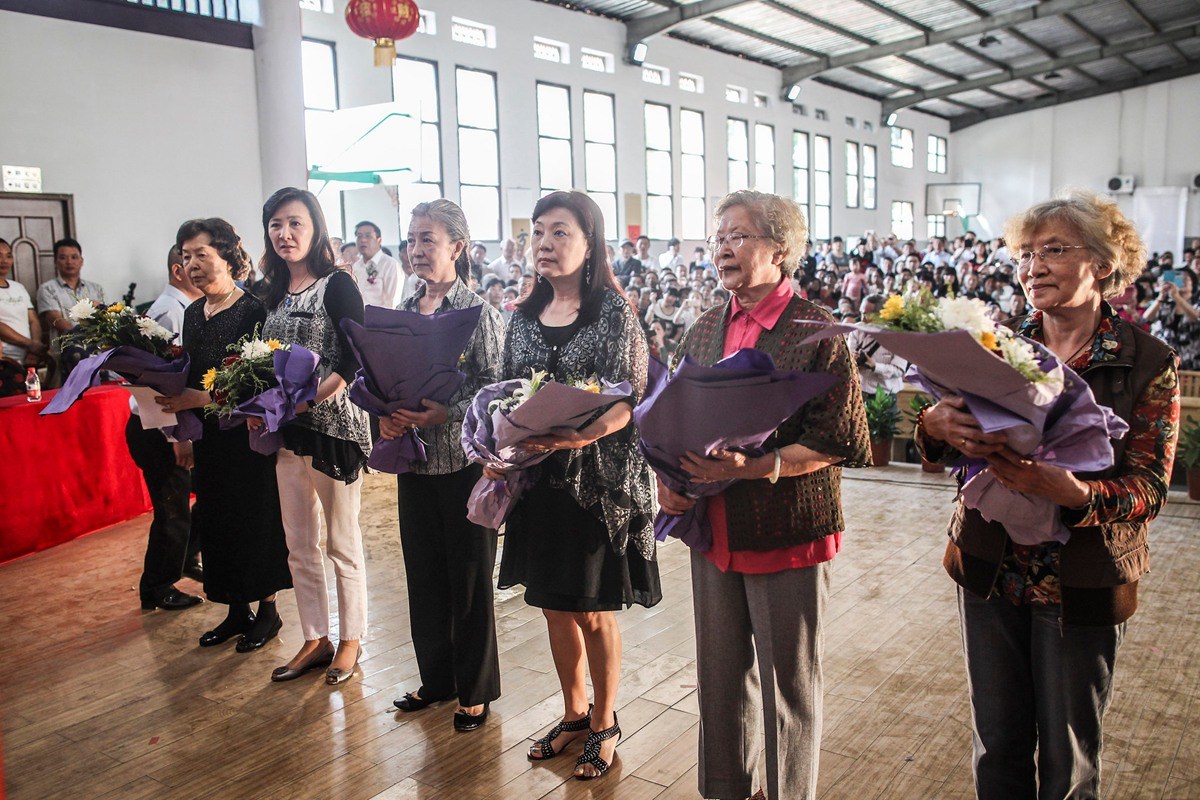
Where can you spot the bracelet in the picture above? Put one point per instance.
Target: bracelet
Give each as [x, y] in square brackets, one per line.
[920, 426]
[778, 463]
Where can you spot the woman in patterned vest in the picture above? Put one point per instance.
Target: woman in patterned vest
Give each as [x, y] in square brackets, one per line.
[325, 448]
[776, 531]
[1042, 623]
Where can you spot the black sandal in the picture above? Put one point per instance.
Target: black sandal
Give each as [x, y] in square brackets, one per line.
[591, 751]
[543, 744]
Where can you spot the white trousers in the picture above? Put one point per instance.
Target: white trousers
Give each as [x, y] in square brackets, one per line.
[304, 493]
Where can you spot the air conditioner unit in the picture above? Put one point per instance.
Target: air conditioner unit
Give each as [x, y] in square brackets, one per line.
[1121, 184]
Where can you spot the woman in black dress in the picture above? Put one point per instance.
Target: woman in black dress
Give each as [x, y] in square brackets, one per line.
[581, 540]
[237, 498]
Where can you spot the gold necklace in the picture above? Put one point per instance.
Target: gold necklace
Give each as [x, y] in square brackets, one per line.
[209, 313]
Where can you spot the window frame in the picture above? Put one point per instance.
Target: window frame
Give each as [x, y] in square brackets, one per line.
[772, 165]
[702, 197]
[806, 203]
[899, 229]
[458, 68]
[937, 154]
[616, 194]
[853, 174]
[899, 149]
[827, 176]
[570, 138]
[670, 151]
[437, 91]
[871, 179]
[730, 160]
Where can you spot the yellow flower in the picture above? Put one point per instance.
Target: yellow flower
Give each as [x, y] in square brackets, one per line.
[893, 308]
[594, 388]
[117, 308]
[209, 379]
[989, 340]
[274, 344]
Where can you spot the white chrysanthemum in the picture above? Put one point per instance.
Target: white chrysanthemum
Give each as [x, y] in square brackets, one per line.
[82, 310]
[153, 330]
[964, 314]
[255, 348]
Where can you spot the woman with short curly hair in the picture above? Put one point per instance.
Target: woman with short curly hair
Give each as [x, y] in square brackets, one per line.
[1041, 624]
[236, 516]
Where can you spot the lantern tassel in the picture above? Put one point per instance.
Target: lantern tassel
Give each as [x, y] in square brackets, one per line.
[385, 52]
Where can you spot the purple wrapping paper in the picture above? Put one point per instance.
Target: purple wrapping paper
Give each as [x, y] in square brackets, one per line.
[406, 357]
[735, 404]
[492, 439]
[1058, 423]
[296, 371]
[168, 377]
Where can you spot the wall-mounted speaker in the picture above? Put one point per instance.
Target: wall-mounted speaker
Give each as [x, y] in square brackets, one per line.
[1121, 184]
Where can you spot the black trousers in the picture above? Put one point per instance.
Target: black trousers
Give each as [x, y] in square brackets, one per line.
[169, 545]
[449, 562]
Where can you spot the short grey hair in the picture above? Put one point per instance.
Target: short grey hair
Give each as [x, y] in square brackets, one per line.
[780, 218]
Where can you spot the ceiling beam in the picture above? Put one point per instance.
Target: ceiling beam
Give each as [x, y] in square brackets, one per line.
[640, 28]
[894, 104]
[1050, 8]
[958, 123]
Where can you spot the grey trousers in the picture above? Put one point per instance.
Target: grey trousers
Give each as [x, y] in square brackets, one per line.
[758, 662]
[1036, 684]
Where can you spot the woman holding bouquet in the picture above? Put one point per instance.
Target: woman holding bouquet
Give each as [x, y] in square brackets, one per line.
[581, 539]
[237, 499]
[775, 531]
[448, 558]
[1042, 623]
[320, 465]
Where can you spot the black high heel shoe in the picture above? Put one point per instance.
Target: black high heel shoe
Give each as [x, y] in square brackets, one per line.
[546, 749]
[591, 751]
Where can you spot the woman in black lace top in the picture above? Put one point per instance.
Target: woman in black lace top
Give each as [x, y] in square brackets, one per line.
[581, 540]
[236, 516]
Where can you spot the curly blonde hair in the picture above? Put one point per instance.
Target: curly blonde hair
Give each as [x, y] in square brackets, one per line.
[1108, 234]
[778, 217]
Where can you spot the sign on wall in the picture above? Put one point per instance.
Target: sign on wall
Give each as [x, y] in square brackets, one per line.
[21, 179]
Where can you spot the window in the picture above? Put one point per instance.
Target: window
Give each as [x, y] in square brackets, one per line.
[870, 176]
[737, 145]
[902, 147]
[937, 154]
[735, 94]
[691, 174]
[325, 6]
[600, 154]
[764, 158]
[478, 152]
[822, 188]
[820, 114]
[319, 70]
[427, 23]
[868, 126]
[851, 174]
[660, 211]
[474, 33]
[800, 172]
[935, 224]
[691, 83]
[550, 50]
[595, 60]
[420, 78]
[318, 61]
[902, 220]
[554, 137]
[761, 100]
[659, 76]
[852, 122]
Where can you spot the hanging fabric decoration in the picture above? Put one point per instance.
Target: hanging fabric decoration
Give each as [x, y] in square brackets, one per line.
[386, 22]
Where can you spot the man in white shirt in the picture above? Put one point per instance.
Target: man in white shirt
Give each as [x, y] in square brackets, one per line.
[502, 266]
[671, 259]
[20, 329]
[377, 273]
[938, 255]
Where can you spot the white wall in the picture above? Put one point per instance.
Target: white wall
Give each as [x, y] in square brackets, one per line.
[518, 21]
[1152, 132]
[145, 131]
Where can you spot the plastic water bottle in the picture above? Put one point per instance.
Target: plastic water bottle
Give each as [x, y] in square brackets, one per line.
[33, 387]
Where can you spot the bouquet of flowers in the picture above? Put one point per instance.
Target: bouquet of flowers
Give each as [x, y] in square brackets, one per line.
[139, 350]
[504, 414]
[736, 404]
[1010, 384]
[407, 357]
[265, 379]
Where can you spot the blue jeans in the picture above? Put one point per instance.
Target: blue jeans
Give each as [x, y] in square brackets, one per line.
[1036, 684]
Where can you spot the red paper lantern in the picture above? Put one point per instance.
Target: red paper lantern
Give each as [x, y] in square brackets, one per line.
[385, 21]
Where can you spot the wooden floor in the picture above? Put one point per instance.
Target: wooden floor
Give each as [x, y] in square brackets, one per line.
[100, 700]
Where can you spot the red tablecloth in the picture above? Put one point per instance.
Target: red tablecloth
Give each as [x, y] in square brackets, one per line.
[66, 475]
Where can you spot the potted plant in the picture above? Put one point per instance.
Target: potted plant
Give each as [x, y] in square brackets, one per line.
[918, 402]
[1188, 454]
[883, 420]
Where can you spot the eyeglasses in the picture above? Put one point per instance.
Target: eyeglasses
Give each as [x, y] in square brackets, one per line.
[736, 240]
[1048, 252]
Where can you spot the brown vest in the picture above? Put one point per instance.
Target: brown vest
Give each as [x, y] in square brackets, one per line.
[765, 516]
[1099, 566]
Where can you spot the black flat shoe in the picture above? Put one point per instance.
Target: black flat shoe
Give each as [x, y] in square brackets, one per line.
[246, 644]
[226, 631]
[173, 600]
[410, 702]
[284, 673]
[469, 722]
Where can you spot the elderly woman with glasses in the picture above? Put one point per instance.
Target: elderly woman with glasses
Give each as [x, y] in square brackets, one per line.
[1042, 624]
[775, 531]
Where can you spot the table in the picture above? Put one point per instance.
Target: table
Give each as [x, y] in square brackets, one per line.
[66, 475]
